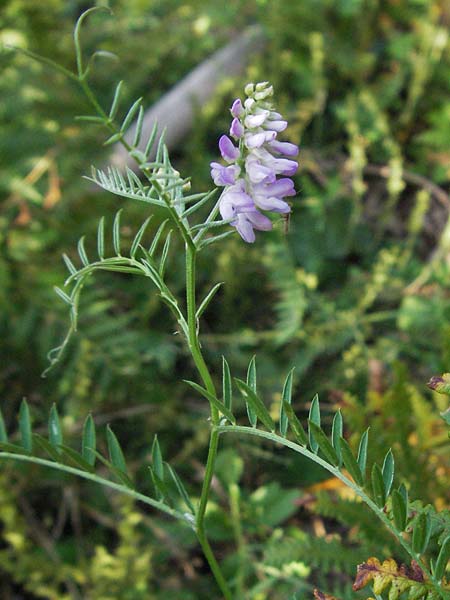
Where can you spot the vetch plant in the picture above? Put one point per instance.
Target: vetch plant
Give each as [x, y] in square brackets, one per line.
[255, 180]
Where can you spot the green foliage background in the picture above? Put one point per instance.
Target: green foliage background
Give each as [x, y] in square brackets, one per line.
[356, 295]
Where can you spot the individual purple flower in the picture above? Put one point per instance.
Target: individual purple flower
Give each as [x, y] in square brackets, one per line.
[236, 129]
[250, 179]
[227, 149]
[224, 175]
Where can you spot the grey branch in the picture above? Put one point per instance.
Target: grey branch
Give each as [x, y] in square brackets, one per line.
[175, 111]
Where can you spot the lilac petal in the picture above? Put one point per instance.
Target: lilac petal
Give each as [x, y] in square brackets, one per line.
[257, 172]
[256, 140]
[235, 202]
[273, 204]
[227, 149]
[281, 187]
[257, 120]
[245, 229]
[236, 129]
[236, 108]
[276, 125]
[224, 175]
[285, 148]
[259, 221]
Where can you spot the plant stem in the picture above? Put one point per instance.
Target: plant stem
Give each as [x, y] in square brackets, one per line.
[194, 347]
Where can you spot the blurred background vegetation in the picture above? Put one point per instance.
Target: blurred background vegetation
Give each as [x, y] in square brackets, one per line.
[355, 296]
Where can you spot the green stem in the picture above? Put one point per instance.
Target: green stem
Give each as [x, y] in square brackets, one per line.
[101, 480]
[194, 347]
[348, 482]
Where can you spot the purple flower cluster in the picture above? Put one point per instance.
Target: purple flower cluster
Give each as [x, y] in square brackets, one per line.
[253, 163]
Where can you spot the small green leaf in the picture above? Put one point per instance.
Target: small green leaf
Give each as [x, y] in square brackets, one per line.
[296, 426]
[379, 491]
[388, 471]
[25, 426]
[101, 239]
[116, 232]
[314, 417]
[69, 264]
[324, 443]
[207, 299]
[227, 387]
[164, 254]
[3, 434]
[362, 452]
[336, 434]
[113, 139]
[138, 237]
[130, 114]
[151, 140]
[115, 102]
[138, 131]
[47, 447]
[399, 510]
[119, 474]
[255, 404]
[442, 559]
[160, 487]
[286, 396]
[115, 451]
[157, 460]
[76, 458]
[351, 463]
[404, 492]
[64, 297]
[180, 487]
[158, 234]
[251, 382]
[82, 252]
[213, 400]
[421, 533]
[54, 428]
[88, 442]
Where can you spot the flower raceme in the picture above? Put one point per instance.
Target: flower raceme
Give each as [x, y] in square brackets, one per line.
[254, 161]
